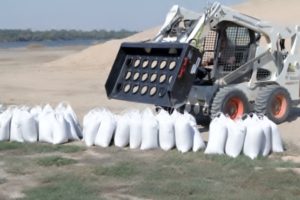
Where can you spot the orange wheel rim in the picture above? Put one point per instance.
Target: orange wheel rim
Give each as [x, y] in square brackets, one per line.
[234, 108]
[279, 106]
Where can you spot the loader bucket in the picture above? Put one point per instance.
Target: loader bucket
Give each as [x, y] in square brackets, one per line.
[155, 73]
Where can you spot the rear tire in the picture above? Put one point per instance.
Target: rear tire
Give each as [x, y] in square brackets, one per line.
[275, 102]
[230, 101]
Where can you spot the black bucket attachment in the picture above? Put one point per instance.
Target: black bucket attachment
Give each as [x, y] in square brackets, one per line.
[155, 73]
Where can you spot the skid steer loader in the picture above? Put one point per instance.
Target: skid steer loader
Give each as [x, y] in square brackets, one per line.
[220, 61]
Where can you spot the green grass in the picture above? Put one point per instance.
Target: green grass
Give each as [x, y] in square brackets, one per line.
[119, 170]
[63, 187]
[55, 161]
[26, 148]
[152, 175]
[194, 176]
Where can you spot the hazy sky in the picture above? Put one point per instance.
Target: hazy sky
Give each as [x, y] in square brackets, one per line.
[91, 14]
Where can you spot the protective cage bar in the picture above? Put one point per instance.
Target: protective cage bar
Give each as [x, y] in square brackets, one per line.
[156, 73]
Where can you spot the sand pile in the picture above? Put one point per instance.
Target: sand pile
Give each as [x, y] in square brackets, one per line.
[277, 11]
[101, 55]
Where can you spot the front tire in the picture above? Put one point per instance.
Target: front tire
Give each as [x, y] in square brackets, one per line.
[275, 102]
[230, 101]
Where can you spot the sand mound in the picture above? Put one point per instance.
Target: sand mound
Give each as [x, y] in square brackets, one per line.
[276, 11]
[101, 55]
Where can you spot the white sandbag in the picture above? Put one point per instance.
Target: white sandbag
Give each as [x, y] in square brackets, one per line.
[48, 109]
[36, 112]
[149, 130]
[255, 138]
[72, 126]
[88, 116]
[184, 133]
[28, 127]
[2, 108]
[46, 127]
[91, 124]
[106, 129]
[75, 120]
[198, 141]
[15, 128]
[121, 138]
[266, 126]
[217, 136]
[5, 119]
[277, 144]
[175, 114]
[166, 130]
[236, 137]
[135, 129]
[60, 132]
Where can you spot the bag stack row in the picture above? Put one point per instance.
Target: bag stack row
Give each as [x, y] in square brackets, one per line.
[43, 124]
[254, 135]
[142, 130]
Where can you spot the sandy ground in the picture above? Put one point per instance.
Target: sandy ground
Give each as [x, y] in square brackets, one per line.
[77, 75]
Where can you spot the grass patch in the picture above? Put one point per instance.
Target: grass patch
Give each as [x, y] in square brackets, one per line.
[119, 170]
[5, 146]
[63, 186]
[26, 148]
[198, 176]
[55, 161]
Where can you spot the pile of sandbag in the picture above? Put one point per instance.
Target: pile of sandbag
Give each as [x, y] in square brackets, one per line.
[253, 135]
[25, 124]
[142, 130]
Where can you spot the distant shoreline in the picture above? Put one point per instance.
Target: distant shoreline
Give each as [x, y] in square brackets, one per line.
[49, 44]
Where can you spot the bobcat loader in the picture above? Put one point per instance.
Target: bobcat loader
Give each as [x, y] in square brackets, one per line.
[220, 61]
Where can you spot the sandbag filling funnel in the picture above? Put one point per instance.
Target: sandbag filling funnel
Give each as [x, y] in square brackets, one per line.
[155, 73]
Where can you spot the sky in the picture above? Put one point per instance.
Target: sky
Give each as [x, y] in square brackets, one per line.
[91, 14]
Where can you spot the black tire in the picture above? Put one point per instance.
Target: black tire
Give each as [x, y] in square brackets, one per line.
[275, 102]
[230, 101]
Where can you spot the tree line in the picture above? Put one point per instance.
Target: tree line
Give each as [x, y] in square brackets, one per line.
[15, 35]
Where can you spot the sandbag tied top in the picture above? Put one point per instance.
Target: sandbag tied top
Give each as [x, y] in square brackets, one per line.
[135, 129]
[217, 135]
[48, 109]
[166, 130]
[255, 138]
[72, 123]
[5, 119]
[149, 130]
[236, 136]
[106, 128]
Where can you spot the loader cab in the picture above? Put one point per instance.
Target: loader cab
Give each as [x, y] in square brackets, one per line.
[225, 49]
[235, 46]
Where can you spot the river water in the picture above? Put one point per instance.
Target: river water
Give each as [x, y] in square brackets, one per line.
[59, 43]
